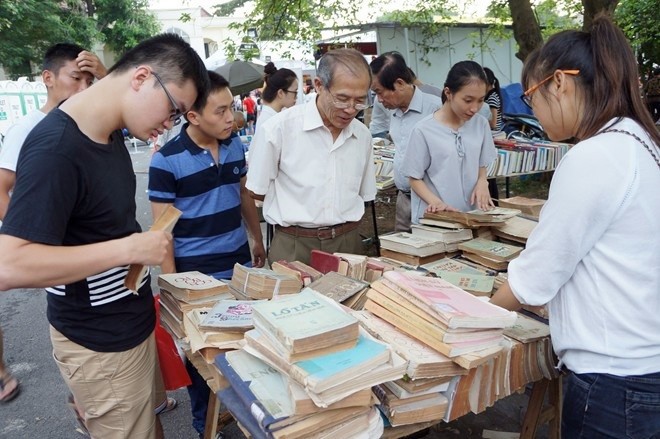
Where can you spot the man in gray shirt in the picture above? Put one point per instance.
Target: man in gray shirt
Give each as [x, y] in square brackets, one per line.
[394, 86]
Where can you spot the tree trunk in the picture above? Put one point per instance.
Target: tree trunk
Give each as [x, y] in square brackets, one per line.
[593, 7]
[526, 29]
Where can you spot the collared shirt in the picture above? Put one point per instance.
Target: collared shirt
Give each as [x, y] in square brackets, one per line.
[308, 179]
[210, 236]
[401, 125]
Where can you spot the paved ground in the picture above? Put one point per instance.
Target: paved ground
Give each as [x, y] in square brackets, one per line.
[40, 411]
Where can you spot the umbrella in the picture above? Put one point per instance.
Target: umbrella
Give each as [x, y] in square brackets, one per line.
[243, 76]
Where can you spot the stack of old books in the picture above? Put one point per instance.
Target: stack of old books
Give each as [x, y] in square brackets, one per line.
[182, 292]
[449, 236]
[260, 283]
[416, 397]
[439, 314]
[491, 254]
[515, 230]
[324, 361]
[413, 249]
[526, 357]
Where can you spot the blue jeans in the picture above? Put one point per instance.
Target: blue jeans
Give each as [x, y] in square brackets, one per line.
[607, 406]
[199, 393]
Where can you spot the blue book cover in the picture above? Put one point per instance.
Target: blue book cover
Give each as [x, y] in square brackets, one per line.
[262, 411]
[241, 413]
[327, 366]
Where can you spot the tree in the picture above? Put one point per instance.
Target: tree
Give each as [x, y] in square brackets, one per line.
[29, 27]
[293, 19]
[638, 20]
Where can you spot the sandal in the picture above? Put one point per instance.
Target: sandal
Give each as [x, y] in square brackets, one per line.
[166, 406]
[5, 382]
[80, 422]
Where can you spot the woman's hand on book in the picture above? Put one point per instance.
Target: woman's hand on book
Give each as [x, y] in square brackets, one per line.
[148, 248]
[440, 206]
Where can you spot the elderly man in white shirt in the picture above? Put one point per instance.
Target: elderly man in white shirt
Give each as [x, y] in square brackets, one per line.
[394, 85]
[313, 165]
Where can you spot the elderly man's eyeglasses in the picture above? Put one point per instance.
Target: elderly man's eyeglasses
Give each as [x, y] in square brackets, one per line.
[176, 111]
[527, 96]
[344, 103]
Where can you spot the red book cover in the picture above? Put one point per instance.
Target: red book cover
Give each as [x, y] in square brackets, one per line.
[324, 262]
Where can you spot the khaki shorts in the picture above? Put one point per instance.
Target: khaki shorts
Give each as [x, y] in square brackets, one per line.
[116, 390]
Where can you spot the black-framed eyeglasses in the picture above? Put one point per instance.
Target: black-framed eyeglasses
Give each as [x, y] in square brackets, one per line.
[176, 112]
[526, 97]
[345, 104]
[295, 92]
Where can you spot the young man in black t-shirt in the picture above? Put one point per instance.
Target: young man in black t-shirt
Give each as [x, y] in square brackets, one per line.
[71, 228]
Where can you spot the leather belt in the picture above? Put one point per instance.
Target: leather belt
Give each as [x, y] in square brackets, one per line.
[322, 233]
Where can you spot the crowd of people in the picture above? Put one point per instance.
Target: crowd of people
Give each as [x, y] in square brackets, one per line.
[594, 258]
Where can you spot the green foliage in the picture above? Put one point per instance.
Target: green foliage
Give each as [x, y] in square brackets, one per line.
[300, 20]
[638, 20]
[29, 27]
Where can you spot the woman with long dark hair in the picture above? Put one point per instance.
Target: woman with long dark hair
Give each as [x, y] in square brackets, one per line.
[594, 257]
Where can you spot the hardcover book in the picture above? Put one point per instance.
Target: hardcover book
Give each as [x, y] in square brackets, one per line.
[305, 321]
[323, 261]
[490, 249]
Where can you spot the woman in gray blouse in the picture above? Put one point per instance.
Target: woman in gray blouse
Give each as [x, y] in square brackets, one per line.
[450, 150]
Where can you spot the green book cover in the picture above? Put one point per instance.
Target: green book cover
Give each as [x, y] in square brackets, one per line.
[302, 316]
[469, 282]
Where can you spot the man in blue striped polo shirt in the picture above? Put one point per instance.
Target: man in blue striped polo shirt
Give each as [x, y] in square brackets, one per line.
[202, 172]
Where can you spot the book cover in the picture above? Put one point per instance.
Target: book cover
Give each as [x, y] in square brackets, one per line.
[479, 284]
[324, 262]
[242, 370]
[526, 329]
[337, 286]
[490, 249]
[452, 305]
[191, 285]
[415, 245]
[305, 321]
[229, 314]
[448, 236]
[451, 265]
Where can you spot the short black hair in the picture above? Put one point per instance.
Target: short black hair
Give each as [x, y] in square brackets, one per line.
[216, 82]
[171, 57]
[59, 54]
[389, 67]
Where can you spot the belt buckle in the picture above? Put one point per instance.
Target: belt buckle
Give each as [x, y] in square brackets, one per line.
[323, 229]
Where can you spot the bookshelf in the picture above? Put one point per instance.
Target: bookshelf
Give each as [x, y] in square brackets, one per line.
[516, 158]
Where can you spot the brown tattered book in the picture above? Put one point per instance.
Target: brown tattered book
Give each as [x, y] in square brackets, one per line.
[190, 286]
[165, 222]
[337, 286]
